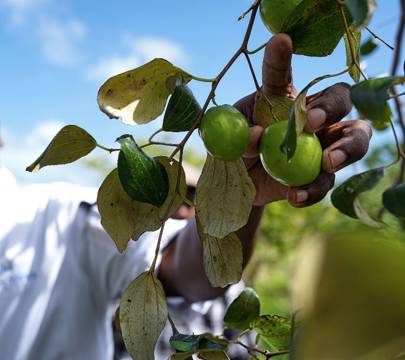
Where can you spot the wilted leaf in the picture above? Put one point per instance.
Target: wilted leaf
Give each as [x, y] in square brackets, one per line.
[223, 259]
[368, 47]
[143, 315]
[307, 23]
[355, 38]
[370, 99]
[345, 195]
[182, 110]
[143, 178]
[69, 144]
[124, 218]
[361, 11]
[394, 200]
[139, 96]
[244, 309]
[224, 197]
[358, 296]
[278, 111]
[274, 329]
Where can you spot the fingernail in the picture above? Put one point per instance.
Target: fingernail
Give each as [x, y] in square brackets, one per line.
[316, 118]
[337, 158]
[301, 196]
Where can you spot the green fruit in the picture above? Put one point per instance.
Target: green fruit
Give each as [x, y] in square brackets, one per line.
[225, 132]
[275, 12]
[305, 165]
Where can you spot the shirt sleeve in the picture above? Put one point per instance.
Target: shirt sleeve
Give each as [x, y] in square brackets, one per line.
[110, 272]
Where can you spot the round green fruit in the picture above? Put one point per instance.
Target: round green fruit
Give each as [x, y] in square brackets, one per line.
[305, 165]
[275, 12]
[225, 132]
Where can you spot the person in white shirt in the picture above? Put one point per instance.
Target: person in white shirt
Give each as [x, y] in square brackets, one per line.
[60, 273]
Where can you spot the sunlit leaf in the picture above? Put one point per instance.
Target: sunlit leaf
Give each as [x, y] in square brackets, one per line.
[368, 47]
[355, 38]
[361, 11]
[244, 309]
[182, 110]
[345, 195]
[139, 96]
[143, 315]
[224, 197]
[267, 114]
[143, 178]
[223, 259]
[394, 200]
[307, 23]
[370, 99]
[124, 218]
[274, 329]
[69, 144]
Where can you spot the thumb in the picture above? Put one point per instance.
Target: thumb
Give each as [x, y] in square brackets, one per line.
[277, 77]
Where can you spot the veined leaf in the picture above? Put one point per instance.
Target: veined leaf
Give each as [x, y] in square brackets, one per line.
[275, 330]
[244, 309]
[370, 99]
[143, 178]
[394, 200]
[361, 11]
[368, 46]
[182, 110]
[224, 198]
[124, 218]
[69, 144]
[355, 38]
[267, 114]
[139, 96]
[143, 315]
[345, 196]
[307, 23]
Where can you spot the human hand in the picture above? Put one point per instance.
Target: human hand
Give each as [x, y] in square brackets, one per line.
[343, 143]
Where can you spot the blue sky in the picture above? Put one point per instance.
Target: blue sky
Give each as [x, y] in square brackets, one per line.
[54, 55]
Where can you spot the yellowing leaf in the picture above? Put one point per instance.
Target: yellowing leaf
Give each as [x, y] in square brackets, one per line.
[139, 96]
[143, 315]
[124, 218]
[224, 197]
[355, 39]
[69, 144]
[222, 259]
[274, 108]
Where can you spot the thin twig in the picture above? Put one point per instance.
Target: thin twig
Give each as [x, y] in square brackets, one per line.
[252, 52]
[379, 38]
[110, 150]
[252, 71]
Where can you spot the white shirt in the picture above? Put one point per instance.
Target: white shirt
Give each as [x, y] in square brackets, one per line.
[60, 272]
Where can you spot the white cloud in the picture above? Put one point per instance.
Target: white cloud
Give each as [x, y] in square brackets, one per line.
[19, 10]
[60, 40]
[138, 51]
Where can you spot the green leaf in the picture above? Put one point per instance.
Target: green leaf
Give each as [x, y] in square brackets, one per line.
[223, 259]
[355, 38]
[267, 114]
[139, 96]
[185, 343]
[213, 355]
[69, 144]
[143, 178]
[124, 218]
[210, 342]
[224, 197]
[368, 47]
[370, 99]
[244, 309]
[361, 11]
[394, 200]
[345, 196]
[143, 315]
[181, 356]
[275, 330]
[307, 23]
[182, 110]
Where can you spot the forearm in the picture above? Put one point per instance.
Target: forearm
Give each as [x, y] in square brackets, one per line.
[182, 270]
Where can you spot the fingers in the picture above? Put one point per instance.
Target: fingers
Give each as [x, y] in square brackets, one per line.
[277, 78]
[313, 193]
[328, 107]
[345, 143]
[251, 156]
[246, 107]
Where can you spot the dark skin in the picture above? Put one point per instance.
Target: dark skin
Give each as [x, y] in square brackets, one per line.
[181, 271]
